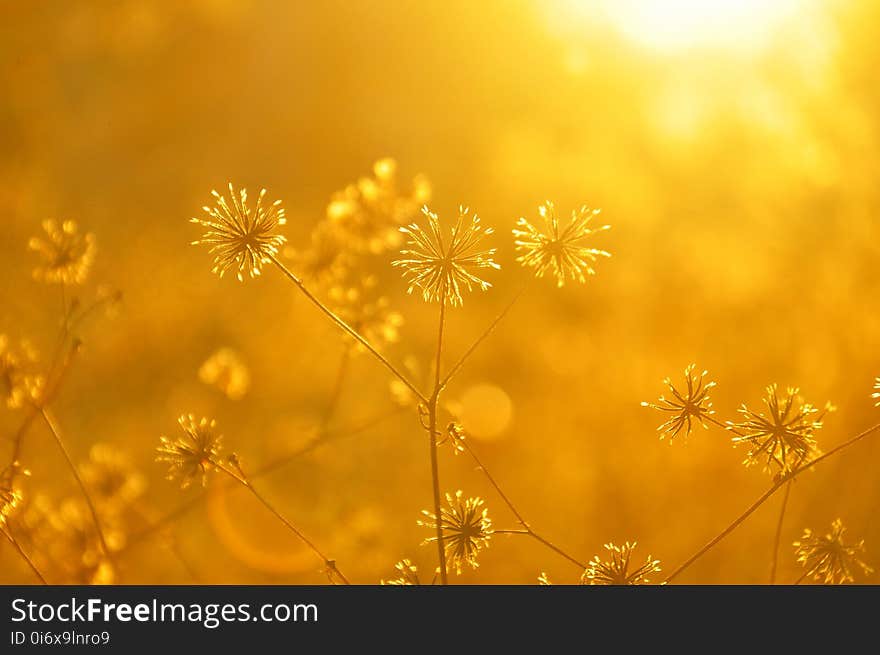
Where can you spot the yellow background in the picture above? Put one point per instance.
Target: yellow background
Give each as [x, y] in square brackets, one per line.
[740, 180]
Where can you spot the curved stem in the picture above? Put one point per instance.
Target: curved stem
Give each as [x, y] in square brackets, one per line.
[12, 540]
[488, 331]
[48, 395]
[338, 384]
[239, 476]
[723, 426]
[56, 433]
[192, 503]
[766, 495]
[432, 432]
[778, 537]
[519, 517]
[348, 329]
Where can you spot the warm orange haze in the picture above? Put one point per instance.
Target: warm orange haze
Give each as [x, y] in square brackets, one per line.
[564, 292]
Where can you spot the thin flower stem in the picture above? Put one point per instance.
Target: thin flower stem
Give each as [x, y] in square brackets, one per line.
[519, 517]
[486, 333]
[12, 540]
[327, 437]
[802, 577]
[495, 485]
[338, 384]
[348, 329]
[730, 528]
[723, 426]
[432, 432]
[766, 495]
[239, 476]
[324, 438]
[45, 398]
[57, 370]
[174, 548]
[778, 537]
[64, 312]
[52, 424]
[170, 542]
[556, 549]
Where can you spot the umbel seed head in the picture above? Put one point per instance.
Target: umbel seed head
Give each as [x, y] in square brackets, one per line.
[241, 238]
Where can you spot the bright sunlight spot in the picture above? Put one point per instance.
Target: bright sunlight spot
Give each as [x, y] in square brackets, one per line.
[670, 25]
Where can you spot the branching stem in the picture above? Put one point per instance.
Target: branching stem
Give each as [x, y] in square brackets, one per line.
[432, 432]
[778, 537]
[345, 327]
[52, 424]
[12, 540]
[782, 481]
[239, 476]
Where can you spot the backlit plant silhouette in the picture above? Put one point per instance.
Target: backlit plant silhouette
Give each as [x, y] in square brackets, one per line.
[444, 262]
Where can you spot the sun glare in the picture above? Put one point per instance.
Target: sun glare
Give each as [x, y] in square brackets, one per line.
[671, 25]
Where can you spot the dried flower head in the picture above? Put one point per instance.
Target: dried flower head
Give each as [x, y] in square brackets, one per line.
[559, 252]
[544, 580]
[194, 454]
[442, 271]
[76, 546]
[616, 570]
[326, 260]
[19, 379]
[369, 313]
[67, 255]
[827, 559]
[466, 527]
[370, 212]
[112, 479]
[241, 238]
[876, 394]
[10, 496]
[226, 371]
[782, 437]
[455, 436]
[407, 575]
[691, 404]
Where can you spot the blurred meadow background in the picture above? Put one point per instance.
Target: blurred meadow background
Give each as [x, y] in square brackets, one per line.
[734, 148]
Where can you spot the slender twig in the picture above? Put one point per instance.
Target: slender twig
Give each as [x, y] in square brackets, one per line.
[766, 495]
[323, 439]
[239, 476]
[57, 368]
[723, 426]
[65, 316]
[778, 537]
[271, 467]
[348, 329]
[53, 385]
[527, 529]
[56, 433]
[174, 548]
[441, 384]
[12, 540]
[338, 384]
[488, 331]
[432, 440]
[801, 578]
[170, 542]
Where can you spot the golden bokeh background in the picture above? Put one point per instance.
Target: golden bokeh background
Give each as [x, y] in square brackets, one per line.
[734, 148]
